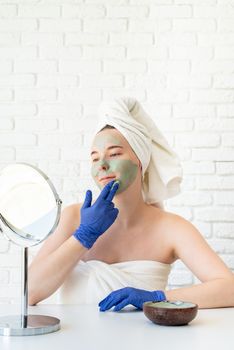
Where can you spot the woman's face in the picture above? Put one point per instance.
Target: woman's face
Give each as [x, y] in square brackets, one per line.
[113, 158]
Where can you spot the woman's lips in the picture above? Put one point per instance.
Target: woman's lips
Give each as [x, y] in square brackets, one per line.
[107, 178]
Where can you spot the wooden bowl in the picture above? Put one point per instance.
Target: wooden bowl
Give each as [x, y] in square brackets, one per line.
[170, 313]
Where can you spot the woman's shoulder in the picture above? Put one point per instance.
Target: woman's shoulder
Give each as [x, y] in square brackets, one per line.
[166, 217]
[71, 214]
[171, 225]
[177, 228]
[72, 209]
[176, 221]
[162, 217]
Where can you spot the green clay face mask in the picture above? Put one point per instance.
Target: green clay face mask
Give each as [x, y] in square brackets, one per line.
[124, 170]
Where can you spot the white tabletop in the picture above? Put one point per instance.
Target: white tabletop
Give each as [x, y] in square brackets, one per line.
[84, 327]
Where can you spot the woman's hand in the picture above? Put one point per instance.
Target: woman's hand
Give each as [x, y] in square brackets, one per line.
[128, 295]
[96, 219]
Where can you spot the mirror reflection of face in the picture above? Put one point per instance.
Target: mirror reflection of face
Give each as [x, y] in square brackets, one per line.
[113, 159]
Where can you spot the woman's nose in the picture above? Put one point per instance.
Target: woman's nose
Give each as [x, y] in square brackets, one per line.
[103, 165]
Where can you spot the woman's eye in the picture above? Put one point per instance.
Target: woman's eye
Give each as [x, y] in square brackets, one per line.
[111, 155]
[115, 154]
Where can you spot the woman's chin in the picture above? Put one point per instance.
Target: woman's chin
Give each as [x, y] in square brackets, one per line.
[103, 183]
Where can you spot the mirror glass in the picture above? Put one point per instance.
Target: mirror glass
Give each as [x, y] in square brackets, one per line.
[29, 204]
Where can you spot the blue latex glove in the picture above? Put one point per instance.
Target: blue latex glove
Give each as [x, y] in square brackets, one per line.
[124, 296]
[96, 219]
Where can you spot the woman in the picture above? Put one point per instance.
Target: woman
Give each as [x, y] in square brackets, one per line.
[119, 250]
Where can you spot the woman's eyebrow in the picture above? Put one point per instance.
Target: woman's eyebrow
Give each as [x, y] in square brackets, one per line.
[108, 148]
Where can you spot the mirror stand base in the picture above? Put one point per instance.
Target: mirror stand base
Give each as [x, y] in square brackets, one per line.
[35, 324]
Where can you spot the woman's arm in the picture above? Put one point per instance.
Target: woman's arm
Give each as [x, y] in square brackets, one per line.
[57, 257]
[217, 287]
[63, 249]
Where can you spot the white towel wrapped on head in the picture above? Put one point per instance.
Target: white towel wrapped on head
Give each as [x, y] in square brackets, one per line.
[161, 168]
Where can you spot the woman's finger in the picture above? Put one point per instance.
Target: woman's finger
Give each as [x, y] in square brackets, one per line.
[105, 191]
[113, 191]
[122, 304]
[114, 300]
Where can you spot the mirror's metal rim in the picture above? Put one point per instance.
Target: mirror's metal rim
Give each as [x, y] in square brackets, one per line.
[57, 200]
[14, 229]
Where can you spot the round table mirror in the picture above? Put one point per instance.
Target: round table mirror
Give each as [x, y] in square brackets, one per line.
[29, 212]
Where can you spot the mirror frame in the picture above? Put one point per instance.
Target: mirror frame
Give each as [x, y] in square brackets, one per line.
[25, 324]
[20, 232]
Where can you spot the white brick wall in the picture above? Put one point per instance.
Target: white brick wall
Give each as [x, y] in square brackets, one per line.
[59, 59]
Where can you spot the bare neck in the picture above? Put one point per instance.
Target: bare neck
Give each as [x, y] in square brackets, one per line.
[132, 208]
